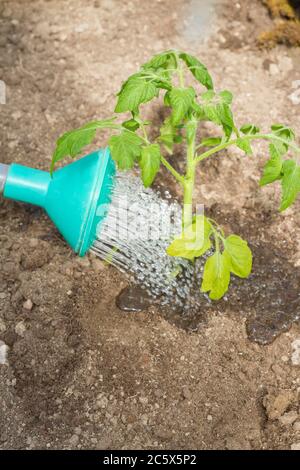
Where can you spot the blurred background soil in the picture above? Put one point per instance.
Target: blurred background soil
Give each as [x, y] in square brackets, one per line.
[81, 373]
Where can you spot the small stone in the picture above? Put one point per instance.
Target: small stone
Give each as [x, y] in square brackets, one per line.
[3, 295]
[296, 426]
[3, 352]
[296, 352]
[81, 28]
[274, 69]
[84, 262]
[289, 418]
[285, 64]
[33, 242]
[186, 393]
[16, 115]
[295, 446]
[209, 417]
[20, 328]
[102, 401]
[28, 305]
[276, 406]
[2, 326]
[143, 400]
[73, 441]
[144, 420]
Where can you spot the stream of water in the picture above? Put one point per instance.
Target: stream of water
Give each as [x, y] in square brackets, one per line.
[134, 236]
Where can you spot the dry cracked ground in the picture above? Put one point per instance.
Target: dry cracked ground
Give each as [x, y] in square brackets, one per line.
[79, 372]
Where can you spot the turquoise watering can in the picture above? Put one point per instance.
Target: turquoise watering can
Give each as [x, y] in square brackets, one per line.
[75, 197]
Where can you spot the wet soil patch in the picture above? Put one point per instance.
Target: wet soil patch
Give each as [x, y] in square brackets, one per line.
[269, 299]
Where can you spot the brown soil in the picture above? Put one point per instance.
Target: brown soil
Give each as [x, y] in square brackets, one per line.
[81, 373]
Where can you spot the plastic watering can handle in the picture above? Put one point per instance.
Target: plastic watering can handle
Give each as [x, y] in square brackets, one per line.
[75, 197]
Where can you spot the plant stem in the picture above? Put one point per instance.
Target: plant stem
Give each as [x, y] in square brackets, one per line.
[144, 132]
[179, 71]
[172, 170]
[224, 145]
[189, 179]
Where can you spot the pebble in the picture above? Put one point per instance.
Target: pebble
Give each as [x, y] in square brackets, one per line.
[2, 326]
[74, 440]
[20, 328]
[296, 352]
[288, 418]
[296, 426]
[276, 406]
[28, 304]
[16, 115]
[285, 64]
[274, 69]
[84, 262]
[3, 352]
[295, 446]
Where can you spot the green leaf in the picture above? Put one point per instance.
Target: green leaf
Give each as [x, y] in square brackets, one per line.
[211, 141]
[227, 96]
[194, 241]
[239, 254]
[285, 133]
[149, 163]
[125, 149]
[250, 129]
[131, 125]
[71, 143]
[135, 91]
[273, 167]
[290, 183]
[163, 59]
[181, 100]
[199, 70]
[216, 109]
[244, 145]
[216, 275]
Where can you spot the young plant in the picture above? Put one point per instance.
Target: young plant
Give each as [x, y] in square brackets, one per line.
[188, 107]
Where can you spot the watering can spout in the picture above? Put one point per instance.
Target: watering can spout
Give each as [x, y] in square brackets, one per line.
[74, 197]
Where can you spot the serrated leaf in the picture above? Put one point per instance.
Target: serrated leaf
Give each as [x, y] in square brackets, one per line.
[290, 183]
[125, 148]
[216, 275]
[149, 163]
[163, 59]
[135, 91]
[217, 110]
[131, 125]
[181, 100]
[239, 254]
[244, 145]
[71, 143]
[250, 129]
[283, 131]
[273, 167]
[194, 241]
[211, 141]
[198, 69]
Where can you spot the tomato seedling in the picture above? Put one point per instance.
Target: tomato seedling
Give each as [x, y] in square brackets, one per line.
[187, 107]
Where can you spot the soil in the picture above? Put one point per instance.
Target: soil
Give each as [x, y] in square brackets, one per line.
[80, 372]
